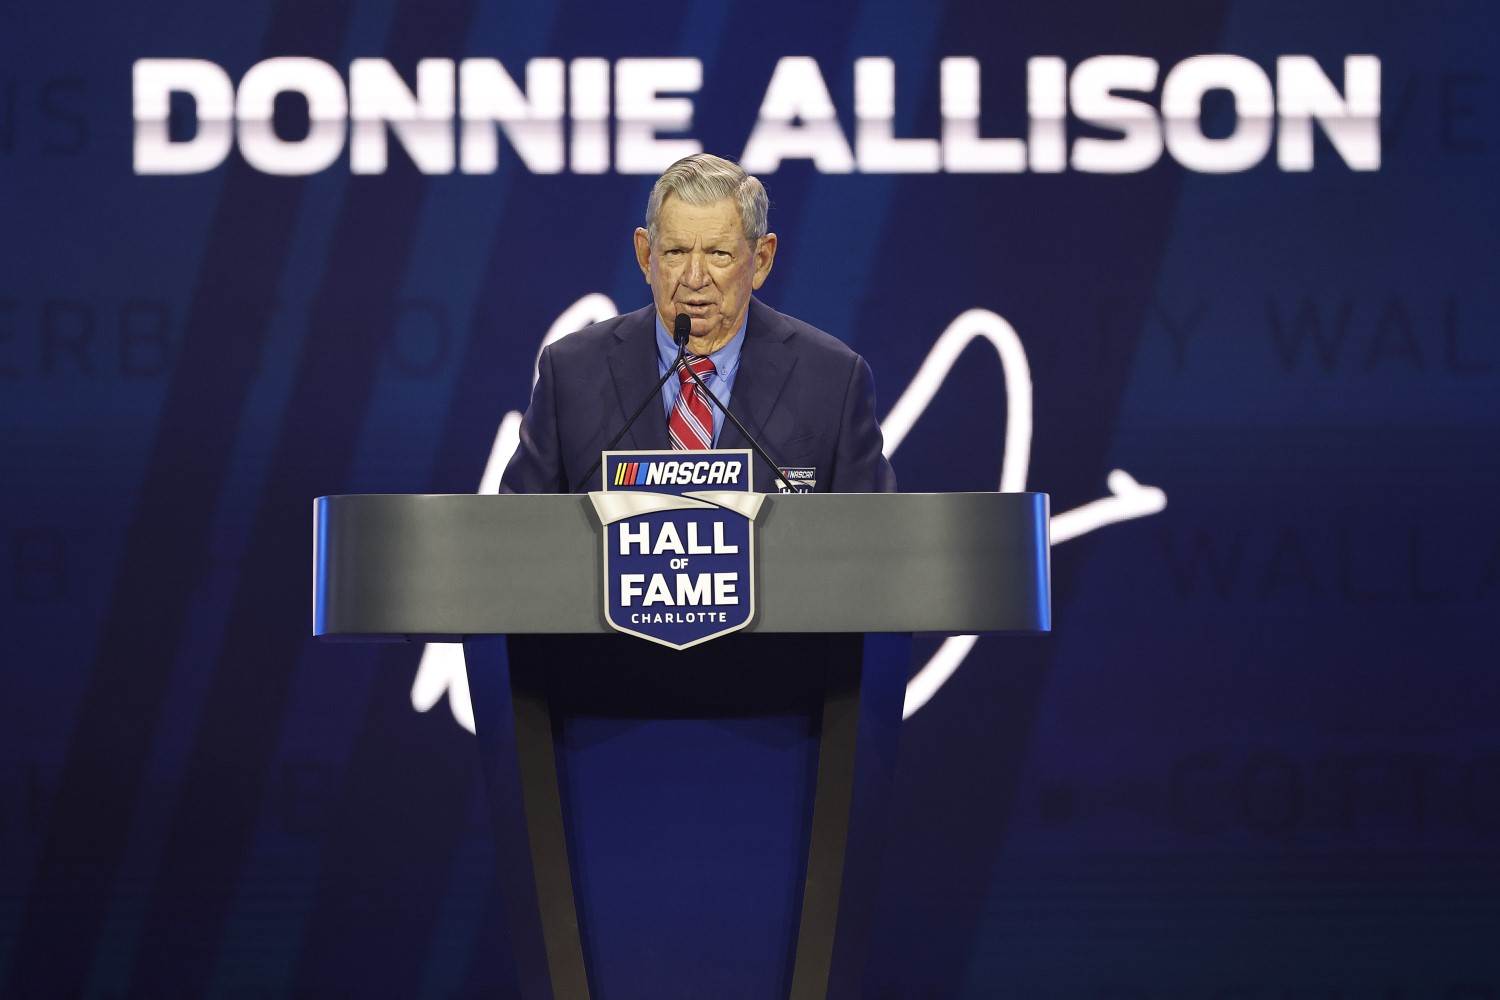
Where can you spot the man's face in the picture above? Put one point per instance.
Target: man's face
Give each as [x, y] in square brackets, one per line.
[703, 266]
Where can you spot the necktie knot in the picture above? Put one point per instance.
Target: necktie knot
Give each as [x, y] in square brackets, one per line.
[701, 364]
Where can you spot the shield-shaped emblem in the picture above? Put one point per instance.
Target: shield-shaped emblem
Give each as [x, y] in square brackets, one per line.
[679, 543]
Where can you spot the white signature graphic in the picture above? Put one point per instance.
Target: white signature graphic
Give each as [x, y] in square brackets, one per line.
[442, 668]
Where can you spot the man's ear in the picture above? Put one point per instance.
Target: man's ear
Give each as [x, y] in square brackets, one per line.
[765, 256]
[643, 252]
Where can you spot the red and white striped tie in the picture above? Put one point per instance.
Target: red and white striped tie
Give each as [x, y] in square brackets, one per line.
[691, 425]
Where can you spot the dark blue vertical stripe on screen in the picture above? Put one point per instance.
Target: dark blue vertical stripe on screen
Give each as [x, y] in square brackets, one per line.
[841, 233]
[165, 549]
[964, 763]
[268, 625]
[415, 777]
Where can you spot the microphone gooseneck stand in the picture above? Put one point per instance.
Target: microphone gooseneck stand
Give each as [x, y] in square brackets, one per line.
[679, 334]
[741, 427]
[681, 328]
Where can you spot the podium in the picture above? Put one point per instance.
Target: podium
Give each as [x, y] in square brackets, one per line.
[703, 822]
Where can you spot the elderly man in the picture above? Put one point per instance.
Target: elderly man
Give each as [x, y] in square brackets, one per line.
[808, 399]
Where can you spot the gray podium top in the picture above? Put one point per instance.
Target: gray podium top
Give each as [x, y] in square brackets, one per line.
[423, 567]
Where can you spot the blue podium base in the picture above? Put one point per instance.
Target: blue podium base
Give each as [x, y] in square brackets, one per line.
[696, 823]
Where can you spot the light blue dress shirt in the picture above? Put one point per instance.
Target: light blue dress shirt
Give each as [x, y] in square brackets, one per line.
[721, 383]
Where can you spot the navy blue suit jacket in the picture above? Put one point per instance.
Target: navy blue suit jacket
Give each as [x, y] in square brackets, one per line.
[808, 399]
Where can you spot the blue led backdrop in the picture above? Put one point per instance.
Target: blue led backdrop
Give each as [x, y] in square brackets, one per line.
[1218, 275]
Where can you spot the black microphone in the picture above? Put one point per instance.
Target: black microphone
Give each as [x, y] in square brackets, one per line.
[680, 329]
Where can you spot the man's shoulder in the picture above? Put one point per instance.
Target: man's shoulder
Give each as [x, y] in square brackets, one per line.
[799, 335]
[597, 339]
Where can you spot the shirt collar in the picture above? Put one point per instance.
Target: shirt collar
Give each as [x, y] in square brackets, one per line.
[726, 359]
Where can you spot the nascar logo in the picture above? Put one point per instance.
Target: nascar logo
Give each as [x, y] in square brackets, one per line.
[679, 473]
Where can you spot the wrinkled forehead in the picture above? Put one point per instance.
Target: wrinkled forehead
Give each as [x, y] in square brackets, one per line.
[681, 220]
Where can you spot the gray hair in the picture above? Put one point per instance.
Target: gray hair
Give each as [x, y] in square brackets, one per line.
[702, 179]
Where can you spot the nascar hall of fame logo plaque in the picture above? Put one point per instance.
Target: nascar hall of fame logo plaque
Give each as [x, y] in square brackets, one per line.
[679, 543]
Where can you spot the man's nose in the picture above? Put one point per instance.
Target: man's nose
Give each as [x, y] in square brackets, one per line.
[696, 274]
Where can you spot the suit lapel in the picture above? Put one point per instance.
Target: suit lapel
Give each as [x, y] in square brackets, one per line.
[633, 365]
[765, 364]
